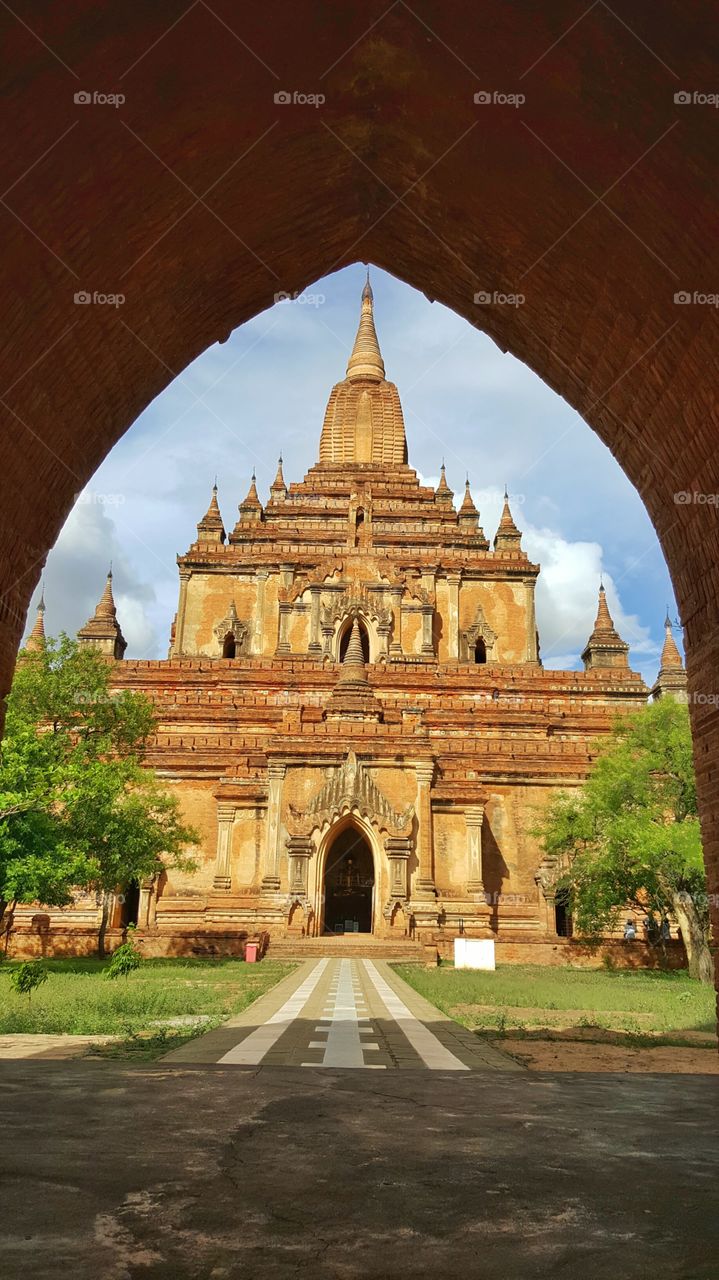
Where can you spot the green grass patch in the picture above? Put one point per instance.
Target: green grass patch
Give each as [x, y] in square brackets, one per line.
[78, 999]
[641, 1003]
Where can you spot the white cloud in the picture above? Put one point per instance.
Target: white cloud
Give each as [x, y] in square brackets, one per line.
[76, 571]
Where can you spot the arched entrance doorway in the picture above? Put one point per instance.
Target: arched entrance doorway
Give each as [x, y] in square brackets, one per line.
[349, 884]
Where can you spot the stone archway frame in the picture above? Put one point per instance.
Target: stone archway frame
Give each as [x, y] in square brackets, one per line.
[350, 796]
[631, 363]
[327, 839]
[234, 626]
[376, 618]
[479, 630]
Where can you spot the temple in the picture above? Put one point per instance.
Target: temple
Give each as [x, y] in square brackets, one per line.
[354, 711]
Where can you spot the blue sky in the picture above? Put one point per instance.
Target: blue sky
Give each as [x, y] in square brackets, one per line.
[264, 392]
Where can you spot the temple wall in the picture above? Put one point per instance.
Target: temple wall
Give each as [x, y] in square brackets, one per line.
[504, 605]
[207, 603]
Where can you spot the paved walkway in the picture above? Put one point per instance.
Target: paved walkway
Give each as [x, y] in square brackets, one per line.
[344, 1013]
[160, 1171]
[38, 1045]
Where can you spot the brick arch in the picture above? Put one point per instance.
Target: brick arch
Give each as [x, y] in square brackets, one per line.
[399, 167]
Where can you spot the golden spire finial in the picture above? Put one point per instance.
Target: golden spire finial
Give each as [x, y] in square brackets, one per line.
[36, 640]
[366, 359]
[671, 656]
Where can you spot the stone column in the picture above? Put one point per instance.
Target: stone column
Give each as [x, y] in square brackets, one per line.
[258, 638]
[287, 575]
[283, 644]
[315, 646]
[144, 919]
[424, 770]
[276, 774]
[300, 850]
[473, 816]
[531, 621]
[395, 648]
[225, 819]
[181, 609]
[427, 639]
[453, 581]
[397, 850]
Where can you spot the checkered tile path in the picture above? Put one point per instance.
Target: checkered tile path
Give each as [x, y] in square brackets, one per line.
[344, 1014]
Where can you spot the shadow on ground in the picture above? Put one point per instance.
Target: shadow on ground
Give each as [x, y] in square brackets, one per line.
[200, 1173]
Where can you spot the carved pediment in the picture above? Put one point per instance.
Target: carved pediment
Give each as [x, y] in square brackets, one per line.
[326, 569]
[351, 788]
[480, 629]
[357, 603]
[232, 625]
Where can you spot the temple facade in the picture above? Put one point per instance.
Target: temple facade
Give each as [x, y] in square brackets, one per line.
[354, 711]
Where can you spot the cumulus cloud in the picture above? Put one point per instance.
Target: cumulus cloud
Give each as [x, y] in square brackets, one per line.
[567, 589]
[76, 570]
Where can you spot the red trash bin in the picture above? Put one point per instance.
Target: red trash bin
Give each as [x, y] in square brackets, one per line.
[251, 949]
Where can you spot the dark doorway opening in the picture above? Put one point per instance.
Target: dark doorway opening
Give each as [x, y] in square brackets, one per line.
[131, 904]
[480, 651]
[229, 646]
[562, 914]
[349, 884]
[345, 639]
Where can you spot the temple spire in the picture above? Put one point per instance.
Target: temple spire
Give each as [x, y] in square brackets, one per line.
[211, 527]
[35, 642]
[352, 697]
[363, 423]
[605, 647]
[102, 631]
[672, 678]
[468, 513]
[508, 536]
[366, 359]
[443, 493]
[278, 488]
[251, 509]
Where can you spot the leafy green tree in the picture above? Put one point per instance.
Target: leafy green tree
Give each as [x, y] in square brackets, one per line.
[27, 977]
[630, 838]
[125, 959]
[77, 807]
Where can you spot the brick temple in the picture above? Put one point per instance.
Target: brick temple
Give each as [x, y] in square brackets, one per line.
[354, 710]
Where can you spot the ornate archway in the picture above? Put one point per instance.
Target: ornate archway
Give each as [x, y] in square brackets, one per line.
[348, 880]
[468, 199]
[349, 799]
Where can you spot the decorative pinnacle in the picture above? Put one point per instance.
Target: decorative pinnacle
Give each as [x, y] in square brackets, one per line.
[366, 359]
[671, 656]
[354, 671]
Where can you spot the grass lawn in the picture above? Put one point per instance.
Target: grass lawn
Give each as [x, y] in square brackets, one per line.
[78, 999]
[641, 1003]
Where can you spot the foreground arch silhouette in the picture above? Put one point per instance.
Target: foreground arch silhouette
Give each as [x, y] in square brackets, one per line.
[201, 197]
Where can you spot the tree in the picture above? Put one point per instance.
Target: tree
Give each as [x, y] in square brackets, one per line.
[631, 837]
[28, 977]
[125, 959]
[78, 809]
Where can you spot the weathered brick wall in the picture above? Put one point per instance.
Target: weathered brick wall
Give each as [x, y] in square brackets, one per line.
[487, 207]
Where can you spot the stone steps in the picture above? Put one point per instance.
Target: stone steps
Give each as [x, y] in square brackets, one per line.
[350, 946]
